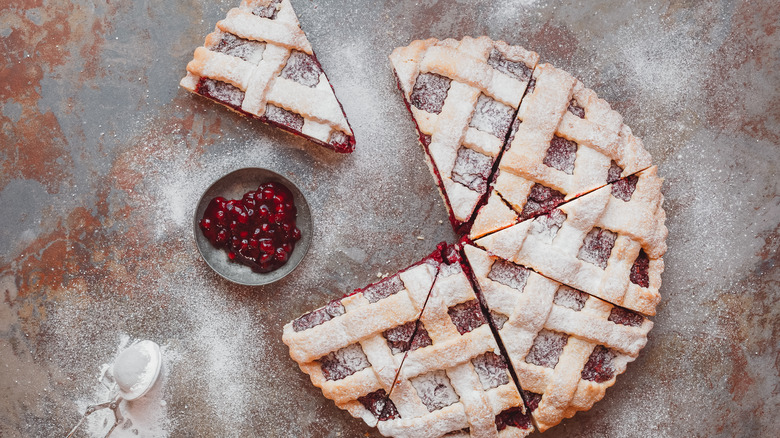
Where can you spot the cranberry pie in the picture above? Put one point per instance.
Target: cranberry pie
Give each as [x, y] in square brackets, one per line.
[259, 63]
[566, 346]
[463, 96]
[608, 243]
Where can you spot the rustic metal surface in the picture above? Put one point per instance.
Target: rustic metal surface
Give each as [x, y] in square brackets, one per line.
[103, 159]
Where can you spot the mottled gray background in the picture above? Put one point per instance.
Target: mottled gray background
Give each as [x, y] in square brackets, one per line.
[103, 157]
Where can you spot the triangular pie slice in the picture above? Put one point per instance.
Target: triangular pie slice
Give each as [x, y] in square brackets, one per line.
[259, 63]
[608, 243]
[353, 347]
[463, 96]
[457, 383]
[565, 142]
[566, 347]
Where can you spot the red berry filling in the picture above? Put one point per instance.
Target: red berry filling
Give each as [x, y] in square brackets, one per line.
[345, 362]
[491, 369]
[250, 51]
[600, 367]
[435, 390]
[383, 289]
[509, 274]
[302, 68]
[532, 400]
[518, 70]
[513, 417]
[570, 298]
[319, 316]
[258, 230]
[498, 319]
[222, 92]
[597, 247]
[281, 116]
[640, 270]
[466, 316]
[622, 316]
[561, 155]
[547, 348]
[575, 109]
[614, 172]
[624, 188]
[378, 404]
[403, 338]
[541, 200]
[429, 92]
[472, 169]
[267, 11]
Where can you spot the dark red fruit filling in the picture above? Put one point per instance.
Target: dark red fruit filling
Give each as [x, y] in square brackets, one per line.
[222, 92]
[267, 11]
[561, 155]
[512, 132]
[429, 92]
[550, 223]
[340, 141]
[258, 230]
[383, 289]
[491, 369]
[302, 68]
[575, 109]
[472, 169]
[531, 87]
[509, 274]
[498, 319]
[600, 366]
[614, 172]
[547, 348]
[513, 417]
[597, 247]
[518, 70]
[624, 188]
[532, 400]
[403, 338]
[619, 315]
[281, 116]
[345, 362]
[319, 316]
[378, 404]
[466, 316]
[570, 298]
[435, 390]
[235, 46]
[541, 200]
[492, 116]
[640, 270]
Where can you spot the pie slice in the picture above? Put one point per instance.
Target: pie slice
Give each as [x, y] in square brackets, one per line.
[565, 142]
[259, 63]
[457, 383]
[463, 96]
[566, 347]
[353, 347]
[608, 243]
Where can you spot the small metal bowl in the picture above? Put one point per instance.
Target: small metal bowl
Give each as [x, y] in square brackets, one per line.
[233, 186]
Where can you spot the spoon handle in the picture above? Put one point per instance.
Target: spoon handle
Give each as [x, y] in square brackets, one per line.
[113, 405]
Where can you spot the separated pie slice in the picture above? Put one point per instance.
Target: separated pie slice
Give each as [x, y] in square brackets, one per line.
[566, 347]
[463, 96]
[565, 142]
[259, 63]
[457, 383]
[608, 243]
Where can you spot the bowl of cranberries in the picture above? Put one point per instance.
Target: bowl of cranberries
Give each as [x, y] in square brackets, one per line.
[253, 226]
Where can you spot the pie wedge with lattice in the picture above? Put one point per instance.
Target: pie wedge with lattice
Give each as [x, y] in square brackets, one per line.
[566, 347]
[259, 63]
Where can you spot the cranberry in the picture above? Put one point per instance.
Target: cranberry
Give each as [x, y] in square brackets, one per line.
[258, 230]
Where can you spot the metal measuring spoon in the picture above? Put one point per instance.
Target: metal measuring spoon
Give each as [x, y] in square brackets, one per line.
[135, 371]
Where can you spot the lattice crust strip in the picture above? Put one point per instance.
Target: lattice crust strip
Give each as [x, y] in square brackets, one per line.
[608, 243]
[456, 383]
[463, 96]
[565, 142]
[567, 347]
[259, 63]
[353, 347]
